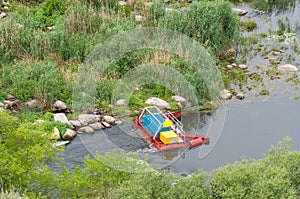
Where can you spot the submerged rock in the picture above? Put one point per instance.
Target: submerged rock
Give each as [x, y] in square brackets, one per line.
[288, 67]
[225, 94]
[158, 102]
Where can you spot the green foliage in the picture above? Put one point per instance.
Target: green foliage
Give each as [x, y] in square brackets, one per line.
[213, 24]
[271, 5]
[49, 124]
[48, 12]
[24, 148]
[248, 25]
[40, 80]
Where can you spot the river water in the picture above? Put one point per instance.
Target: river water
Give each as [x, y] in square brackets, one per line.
[251, 126]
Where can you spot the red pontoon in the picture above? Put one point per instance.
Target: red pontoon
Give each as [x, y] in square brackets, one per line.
[163, 131]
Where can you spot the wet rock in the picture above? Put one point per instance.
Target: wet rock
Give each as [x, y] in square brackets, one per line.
[86, 119]
[106, 125]
[86, 129]
[240, 96]
[288, 67]
[96, 126]
[239, 12]
[225, 94]
[75, 123]
[3, 15]
[121, 102]
[61, 117]
[109, 119]
[158, 102]
[60, 105]
[55, 135]
[122, 3]
[69, 134]
[243, 66]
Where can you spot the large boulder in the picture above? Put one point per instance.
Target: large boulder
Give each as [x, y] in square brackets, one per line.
[86, 119]
[287, 67]
[158, 102]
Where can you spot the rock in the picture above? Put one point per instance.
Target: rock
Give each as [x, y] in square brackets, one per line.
[158, 102]
[138, 18]
[225, 94]
[75, 123]
[106, 125]
[243, 66]
[240, 12]
[50, 28]
[33, 103]
[121, 102]
[55, 135]
[166, 1]
[3, 15]
[118, 122]
[137, 112]
[1, 104]
[96, 126]
[287, 67]
[234, 64]
[10, 97]
[69, 134]
[122, 3]
[86, 119]
[109, 119]
[180, 99]
[86, 129]
[240, 96]
[229, 67]
[61, 117]
[60, 105]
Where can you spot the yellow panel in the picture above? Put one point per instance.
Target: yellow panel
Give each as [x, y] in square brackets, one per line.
[167, 123]
[168, 137]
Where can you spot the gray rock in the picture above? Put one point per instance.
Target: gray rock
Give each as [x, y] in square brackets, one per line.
[158, 102]
[240, 12]
[75, 123]
[121, 102]
[109, 119]
[86, 129]
[60, 105]
[61, 117]
[225, 94]
[33, 103]
[118, 122]
[96, 126]
[229, 67]
[288, 67]
[106, 125]
[69, 134]
[86, 119]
